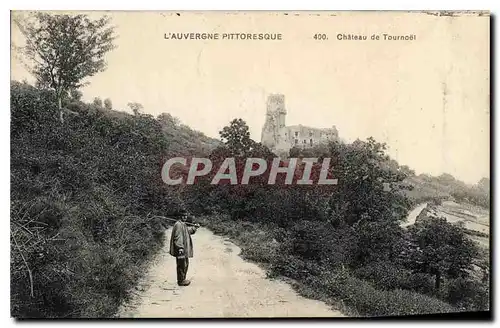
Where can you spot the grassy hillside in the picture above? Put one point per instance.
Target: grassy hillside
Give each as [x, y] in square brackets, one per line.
[446, 187]
[187, 142]
[83, 194]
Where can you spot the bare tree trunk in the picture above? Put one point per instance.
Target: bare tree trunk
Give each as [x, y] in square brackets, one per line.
[438, 281]
[59, 105]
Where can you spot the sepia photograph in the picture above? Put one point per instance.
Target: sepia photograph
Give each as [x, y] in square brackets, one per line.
[250, 164]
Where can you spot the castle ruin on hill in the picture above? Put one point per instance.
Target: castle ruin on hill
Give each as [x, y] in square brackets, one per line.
[280, 138]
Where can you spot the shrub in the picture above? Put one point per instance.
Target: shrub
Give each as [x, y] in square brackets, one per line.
[358, 295]
[388, 276]
[367, 300]
[467, 294]
[248, 234]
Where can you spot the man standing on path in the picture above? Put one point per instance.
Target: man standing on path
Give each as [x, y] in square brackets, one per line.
[181, 246]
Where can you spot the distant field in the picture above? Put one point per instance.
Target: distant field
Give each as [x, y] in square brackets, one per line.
[475, 218]
[446, 188]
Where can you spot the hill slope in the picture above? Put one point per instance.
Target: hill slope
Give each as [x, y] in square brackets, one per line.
[446, 187]
[83, 193]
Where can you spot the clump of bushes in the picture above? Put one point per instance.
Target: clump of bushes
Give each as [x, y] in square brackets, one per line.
[467, 294]
[387, 276]
[367, 300]
[247, 234]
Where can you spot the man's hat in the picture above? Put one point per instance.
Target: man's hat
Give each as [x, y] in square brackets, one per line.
[179, 213]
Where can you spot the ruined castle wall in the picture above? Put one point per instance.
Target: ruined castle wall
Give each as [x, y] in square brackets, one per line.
[280, 138]
[268, 137]
[305, 136]
[273, 130]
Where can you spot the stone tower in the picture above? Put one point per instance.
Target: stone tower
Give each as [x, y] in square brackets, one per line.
[274, 127]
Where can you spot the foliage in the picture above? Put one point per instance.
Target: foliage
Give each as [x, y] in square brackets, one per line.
[108, 104]
[467, 294]
[76, 94]
[425, 188]
[185, 141]
[236, 137]
[484, 184]
[97, 102]
[167, 119]
[62, 50]
[370, 301]
[389, 275]
[135, 107]
[440, 249]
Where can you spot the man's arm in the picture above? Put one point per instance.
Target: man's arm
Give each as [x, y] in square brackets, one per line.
[192, 229]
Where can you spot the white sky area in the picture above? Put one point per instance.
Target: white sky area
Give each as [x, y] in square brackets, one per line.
[427, 99]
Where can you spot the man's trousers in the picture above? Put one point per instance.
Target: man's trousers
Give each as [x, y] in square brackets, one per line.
[182, 268]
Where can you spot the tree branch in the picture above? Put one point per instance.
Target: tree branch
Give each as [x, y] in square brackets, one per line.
[26, 263]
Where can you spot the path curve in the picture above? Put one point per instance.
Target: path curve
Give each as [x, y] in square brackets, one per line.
[223, 285]
[412, 216]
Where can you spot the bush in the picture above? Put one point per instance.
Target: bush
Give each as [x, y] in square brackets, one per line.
[248, 234]
[294, 267]
[358, 295]
[367, 300]
[467, 294]
[388, 276]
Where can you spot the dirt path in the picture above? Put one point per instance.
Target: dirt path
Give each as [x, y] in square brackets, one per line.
[222, 285]
[412, 216]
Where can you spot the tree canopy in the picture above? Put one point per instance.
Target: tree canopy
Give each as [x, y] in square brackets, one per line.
[440, 248]
[62, 50]
[236, 136]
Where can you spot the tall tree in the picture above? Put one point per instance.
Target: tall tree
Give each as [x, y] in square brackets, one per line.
[236, 136]
[484, 184]
[168, 119]
[76, 94]
[62, 50]
[98, 102]
[135, 107]
[108, 104]
[440, 248]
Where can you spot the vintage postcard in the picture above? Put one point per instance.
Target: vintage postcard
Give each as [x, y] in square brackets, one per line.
[250, 164]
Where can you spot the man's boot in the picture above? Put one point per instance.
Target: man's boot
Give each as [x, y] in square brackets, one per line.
[184, 283]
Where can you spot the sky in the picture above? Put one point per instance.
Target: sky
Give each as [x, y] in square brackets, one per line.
[427, 98]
